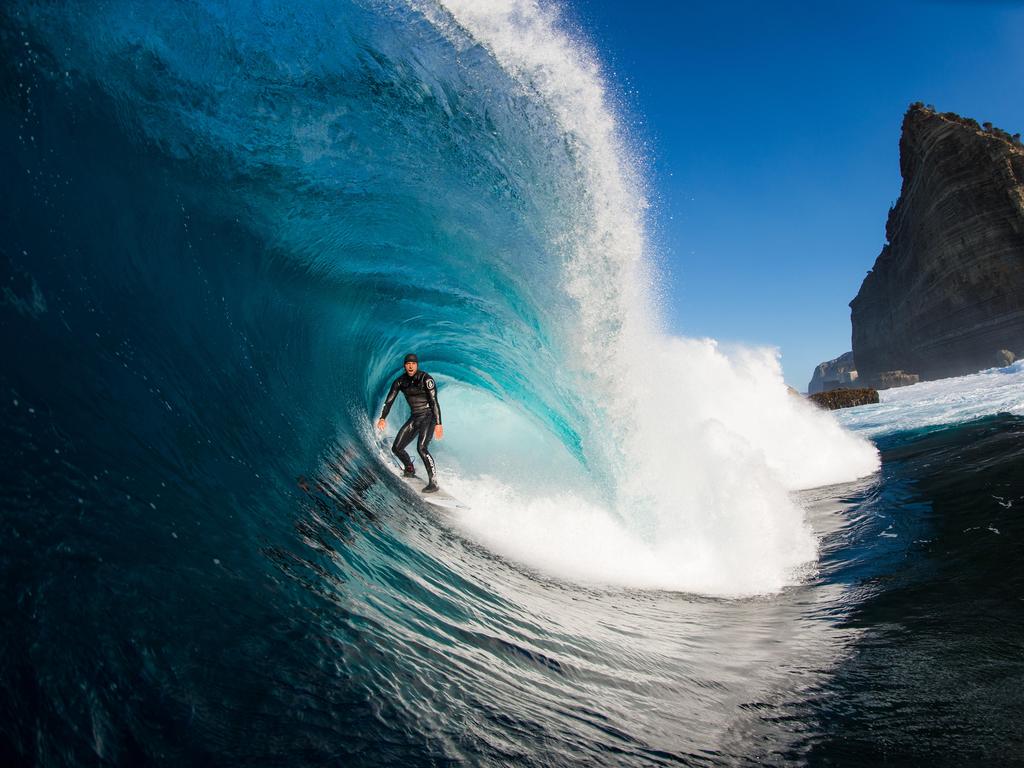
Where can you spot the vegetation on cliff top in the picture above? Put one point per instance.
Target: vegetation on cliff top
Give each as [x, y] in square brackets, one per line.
[1012, 138]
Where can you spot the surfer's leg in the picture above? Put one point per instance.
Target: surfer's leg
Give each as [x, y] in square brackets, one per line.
[402, 439]
[426, 431]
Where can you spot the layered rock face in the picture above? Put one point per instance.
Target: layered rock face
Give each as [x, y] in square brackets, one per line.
[946, 294]
[833, 374]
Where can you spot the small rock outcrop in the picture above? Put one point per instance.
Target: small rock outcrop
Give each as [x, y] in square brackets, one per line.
[946, 294]
[844, 398]
[833, 374]
[1003, 358]
[890, 379]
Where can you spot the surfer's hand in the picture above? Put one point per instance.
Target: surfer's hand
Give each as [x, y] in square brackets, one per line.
[438, 431]
[381, 424]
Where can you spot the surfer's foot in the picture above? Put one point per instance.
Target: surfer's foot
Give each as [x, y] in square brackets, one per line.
[430, 487]
[409, 472]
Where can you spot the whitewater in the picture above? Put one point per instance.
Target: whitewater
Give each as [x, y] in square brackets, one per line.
[933, 404]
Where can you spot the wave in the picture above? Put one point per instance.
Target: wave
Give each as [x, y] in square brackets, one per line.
[447, 178]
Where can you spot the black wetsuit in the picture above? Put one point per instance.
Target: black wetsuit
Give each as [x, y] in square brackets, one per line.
[421, 393]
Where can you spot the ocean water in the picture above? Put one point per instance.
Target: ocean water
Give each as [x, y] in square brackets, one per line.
[225, 223]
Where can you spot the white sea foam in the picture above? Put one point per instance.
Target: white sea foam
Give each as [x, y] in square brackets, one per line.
[703, 447]
[947, 401]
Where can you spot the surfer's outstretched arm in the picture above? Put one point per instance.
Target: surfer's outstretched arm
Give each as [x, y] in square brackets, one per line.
[390, 400]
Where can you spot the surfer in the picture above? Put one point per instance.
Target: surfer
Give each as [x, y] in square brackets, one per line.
[424, 422]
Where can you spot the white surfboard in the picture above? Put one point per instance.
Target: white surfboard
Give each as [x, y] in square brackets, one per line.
[440, 498]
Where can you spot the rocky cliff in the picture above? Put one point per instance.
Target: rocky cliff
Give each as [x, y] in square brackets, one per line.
[833, 374]
[946, 294]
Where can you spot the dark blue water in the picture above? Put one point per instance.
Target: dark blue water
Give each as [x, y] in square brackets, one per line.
[202, 563]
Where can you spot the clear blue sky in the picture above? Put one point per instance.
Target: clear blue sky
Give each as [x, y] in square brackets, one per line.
[772, 133]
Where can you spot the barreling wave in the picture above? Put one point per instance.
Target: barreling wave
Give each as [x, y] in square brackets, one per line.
[452, 179]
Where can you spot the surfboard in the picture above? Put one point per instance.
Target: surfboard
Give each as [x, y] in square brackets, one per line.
[440, 498]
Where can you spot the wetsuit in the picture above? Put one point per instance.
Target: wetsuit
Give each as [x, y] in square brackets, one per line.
[421, 393]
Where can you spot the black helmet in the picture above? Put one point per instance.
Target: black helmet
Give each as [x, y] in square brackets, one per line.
[410, 358]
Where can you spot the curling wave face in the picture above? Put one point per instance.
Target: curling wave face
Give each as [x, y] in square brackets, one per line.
[451, 179]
